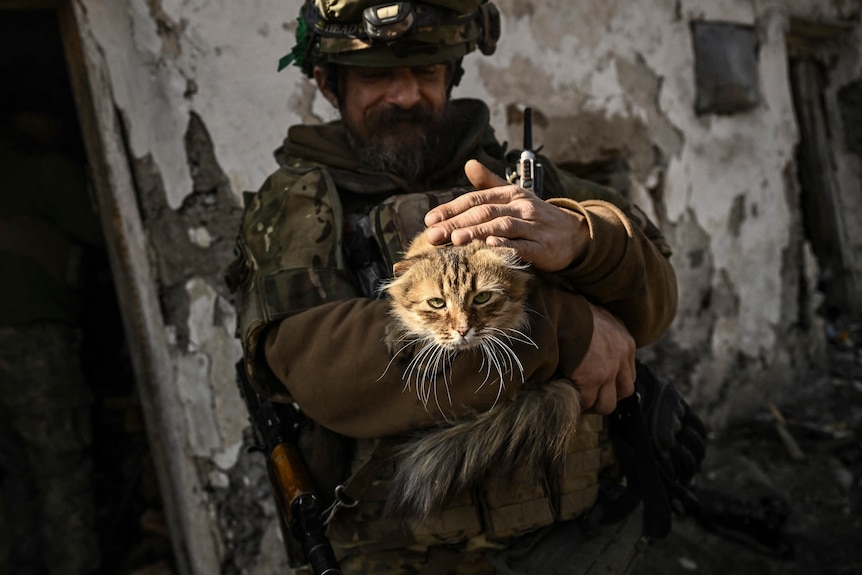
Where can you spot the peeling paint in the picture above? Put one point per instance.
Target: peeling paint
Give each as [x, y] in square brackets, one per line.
[202, 428]
[737, 215]
[200, 237]
[216, 341]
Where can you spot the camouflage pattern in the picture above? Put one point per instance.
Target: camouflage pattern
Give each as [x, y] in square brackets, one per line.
[437, 560]
[45, 436]
[436, 31]
[398, 219]
[567, 549]
[491, 517]
[505, 507]
[289, 257]
[351, 10]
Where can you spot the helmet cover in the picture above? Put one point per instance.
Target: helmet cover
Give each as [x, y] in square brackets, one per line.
[367, 33]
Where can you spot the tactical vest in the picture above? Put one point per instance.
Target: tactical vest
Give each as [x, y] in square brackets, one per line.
[300, 207]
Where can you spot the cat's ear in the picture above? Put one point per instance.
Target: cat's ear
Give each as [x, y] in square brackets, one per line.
[509, 257]
[398, 268]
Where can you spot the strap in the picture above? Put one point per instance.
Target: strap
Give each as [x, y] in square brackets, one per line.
[353, 490]
[631, 440]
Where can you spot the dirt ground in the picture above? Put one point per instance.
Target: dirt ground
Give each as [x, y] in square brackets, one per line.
[817, 488]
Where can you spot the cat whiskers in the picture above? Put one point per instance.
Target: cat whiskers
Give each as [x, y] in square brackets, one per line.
[430, 360]
[432, 363]
[422, 369]
[518, 336]
[500, 357]
[409, 342]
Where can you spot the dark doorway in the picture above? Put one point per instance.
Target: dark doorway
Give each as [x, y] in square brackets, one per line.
[130, 523]
[814, 50]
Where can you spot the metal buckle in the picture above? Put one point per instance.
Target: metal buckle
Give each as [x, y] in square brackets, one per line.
[388, 21]
[342, 499]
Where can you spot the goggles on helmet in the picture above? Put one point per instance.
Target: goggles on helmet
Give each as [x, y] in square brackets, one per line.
[388, 21]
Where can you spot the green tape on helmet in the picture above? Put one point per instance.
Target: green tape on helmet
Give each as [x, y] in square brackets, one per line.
[370, 33]
[300, 52]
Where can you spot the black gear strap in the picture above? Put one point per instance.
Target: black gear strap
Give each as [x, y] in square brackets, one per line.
[660, 443]
[633, 448]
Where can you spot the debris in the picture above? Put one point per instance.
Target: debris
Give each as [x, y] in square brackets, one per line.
[843, 476]
[687, 564]
[784, 434]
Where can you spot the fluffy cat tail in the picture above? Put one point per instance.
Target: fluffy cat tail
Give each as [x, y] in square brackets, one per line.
[528, 432]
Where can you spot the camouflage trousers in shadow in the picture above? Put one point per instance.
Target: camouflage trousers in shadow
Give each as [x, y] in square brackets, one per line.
[47, 516]
[559, 549]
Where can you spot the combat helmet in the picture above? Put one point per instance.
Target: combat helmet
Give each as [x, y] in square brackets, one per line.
[371, 33]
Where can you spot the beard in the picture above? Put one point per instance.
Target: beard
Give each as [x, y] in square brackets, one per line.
[406, 143]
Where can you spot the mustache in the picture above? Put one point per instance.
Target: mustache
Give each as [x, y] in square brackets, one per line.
[386, 117]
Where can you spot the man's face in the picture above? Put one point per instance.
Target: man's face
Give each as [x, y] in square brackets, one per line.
[394, 115]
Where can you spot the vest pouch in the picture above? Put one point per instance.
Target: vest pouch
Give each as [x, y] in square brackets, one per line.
[364, 528]
[278, 269]
[586, 456]
[515, 505]
[398, 219]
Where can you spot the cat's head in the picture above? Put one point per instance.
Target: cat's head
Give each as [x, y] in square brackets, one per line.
[459, 296]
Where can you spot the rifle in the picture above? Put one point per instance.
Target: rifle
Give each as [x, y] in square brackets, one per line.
[528, 172]
[276, 428]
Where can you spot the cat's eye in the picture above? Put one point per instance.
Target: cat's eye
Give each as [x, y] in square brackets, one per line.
[436, 302]
[482, 297]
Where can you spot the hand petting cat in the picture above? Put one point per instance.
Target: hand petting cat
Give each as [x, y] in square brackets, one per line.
[503, 214]
[551, 239]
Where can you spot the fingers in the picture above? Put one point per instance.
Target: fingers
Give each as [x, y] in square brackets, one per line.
[481, 215]
[481, 177]
[606, 400]
[473, 207]
[491, 190]
[607, 372]
[544, 235]
[625, 383]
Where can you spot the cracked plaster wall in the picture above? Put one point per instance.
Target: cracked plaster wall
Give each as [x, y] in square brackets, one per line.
[203, 109]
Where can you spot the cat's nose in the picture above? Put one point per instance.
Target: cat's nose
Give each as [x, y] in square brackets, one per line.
[462, 330]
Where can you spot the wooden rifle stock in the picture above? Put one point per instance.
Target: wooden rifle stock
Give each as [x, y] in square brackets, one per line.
[276, 428]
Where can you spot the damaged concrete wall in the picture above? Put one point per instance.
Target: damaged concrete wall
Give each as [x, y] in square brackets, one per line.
[614, 89]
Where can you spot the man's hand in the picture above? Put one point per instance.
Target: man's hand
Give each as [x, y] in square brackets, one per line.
[607, 372]
[549, 237]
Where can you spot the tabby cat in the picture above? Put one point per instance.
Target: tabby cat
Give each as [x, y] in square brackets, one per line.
[453, 299]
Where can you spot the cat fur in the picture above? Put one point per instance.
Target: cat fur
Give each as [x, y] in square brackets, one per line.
[528, 432]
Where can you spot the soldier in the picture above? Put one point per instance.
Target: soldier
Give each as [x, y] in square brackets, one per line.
[324, 229]
[46, 223]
